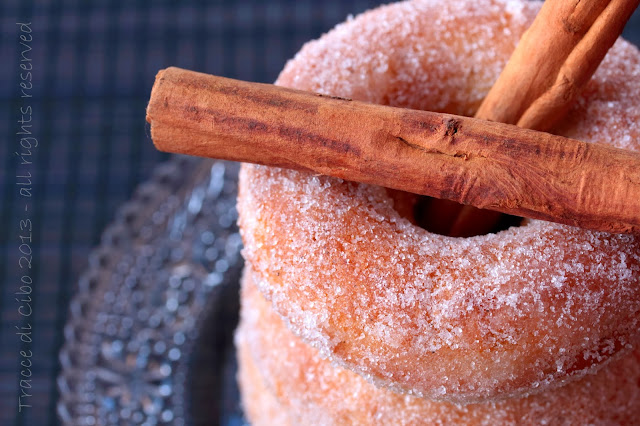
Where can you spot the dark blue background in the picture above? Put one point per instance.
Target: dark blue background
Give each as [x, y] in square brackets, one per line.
[93, 66]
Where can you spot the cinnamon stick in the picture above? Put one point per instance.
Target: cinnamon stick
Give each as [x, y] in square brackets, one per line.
[470, 161]
[554, 60]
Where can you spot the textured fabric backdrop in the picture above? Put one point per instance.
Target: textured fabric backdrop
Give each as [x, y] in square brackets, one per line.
[93, 66]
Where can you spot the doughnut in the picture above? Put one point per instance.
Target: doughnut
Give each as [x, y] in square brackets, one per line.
[455, 319]
[259, 404]
[310, 390]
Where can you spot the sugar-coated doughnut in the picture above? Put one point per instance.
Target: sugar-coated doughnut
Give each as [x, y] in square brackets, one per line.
[309, 390]
[457, 319]
[260, 405]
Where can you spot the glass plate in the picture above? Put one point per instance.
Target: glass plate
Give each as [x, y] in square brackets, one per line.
[149, 336]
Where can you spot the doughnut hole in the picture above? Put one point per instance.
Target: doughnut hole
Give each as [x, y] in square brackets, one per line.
[438, 216]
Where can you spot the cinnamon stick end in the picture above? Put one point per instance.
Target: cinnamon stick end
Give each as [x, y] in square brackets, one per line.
[155, 107]
[152, 98]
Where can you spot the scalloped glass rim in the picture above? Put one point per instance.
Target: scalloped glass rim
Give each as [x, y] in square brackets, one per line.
[169, 259]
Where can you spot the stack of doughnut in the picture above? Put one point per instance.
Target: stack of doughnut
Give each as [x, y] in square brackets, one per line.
[353, 314]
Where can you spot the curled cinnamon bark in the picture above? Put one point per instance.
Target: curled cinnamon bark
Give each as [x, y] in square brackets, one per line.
[470, 161]
[554, 60]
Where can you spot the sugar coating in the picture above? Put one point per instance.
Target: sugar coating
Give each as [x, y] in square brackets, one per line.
[311, 391]
[259, 404]
[457, 319]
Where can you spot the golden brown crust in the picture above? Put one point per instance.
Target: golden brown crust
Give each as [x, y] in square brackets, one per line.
[260, 406]
[466, 319]
[310, 390]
